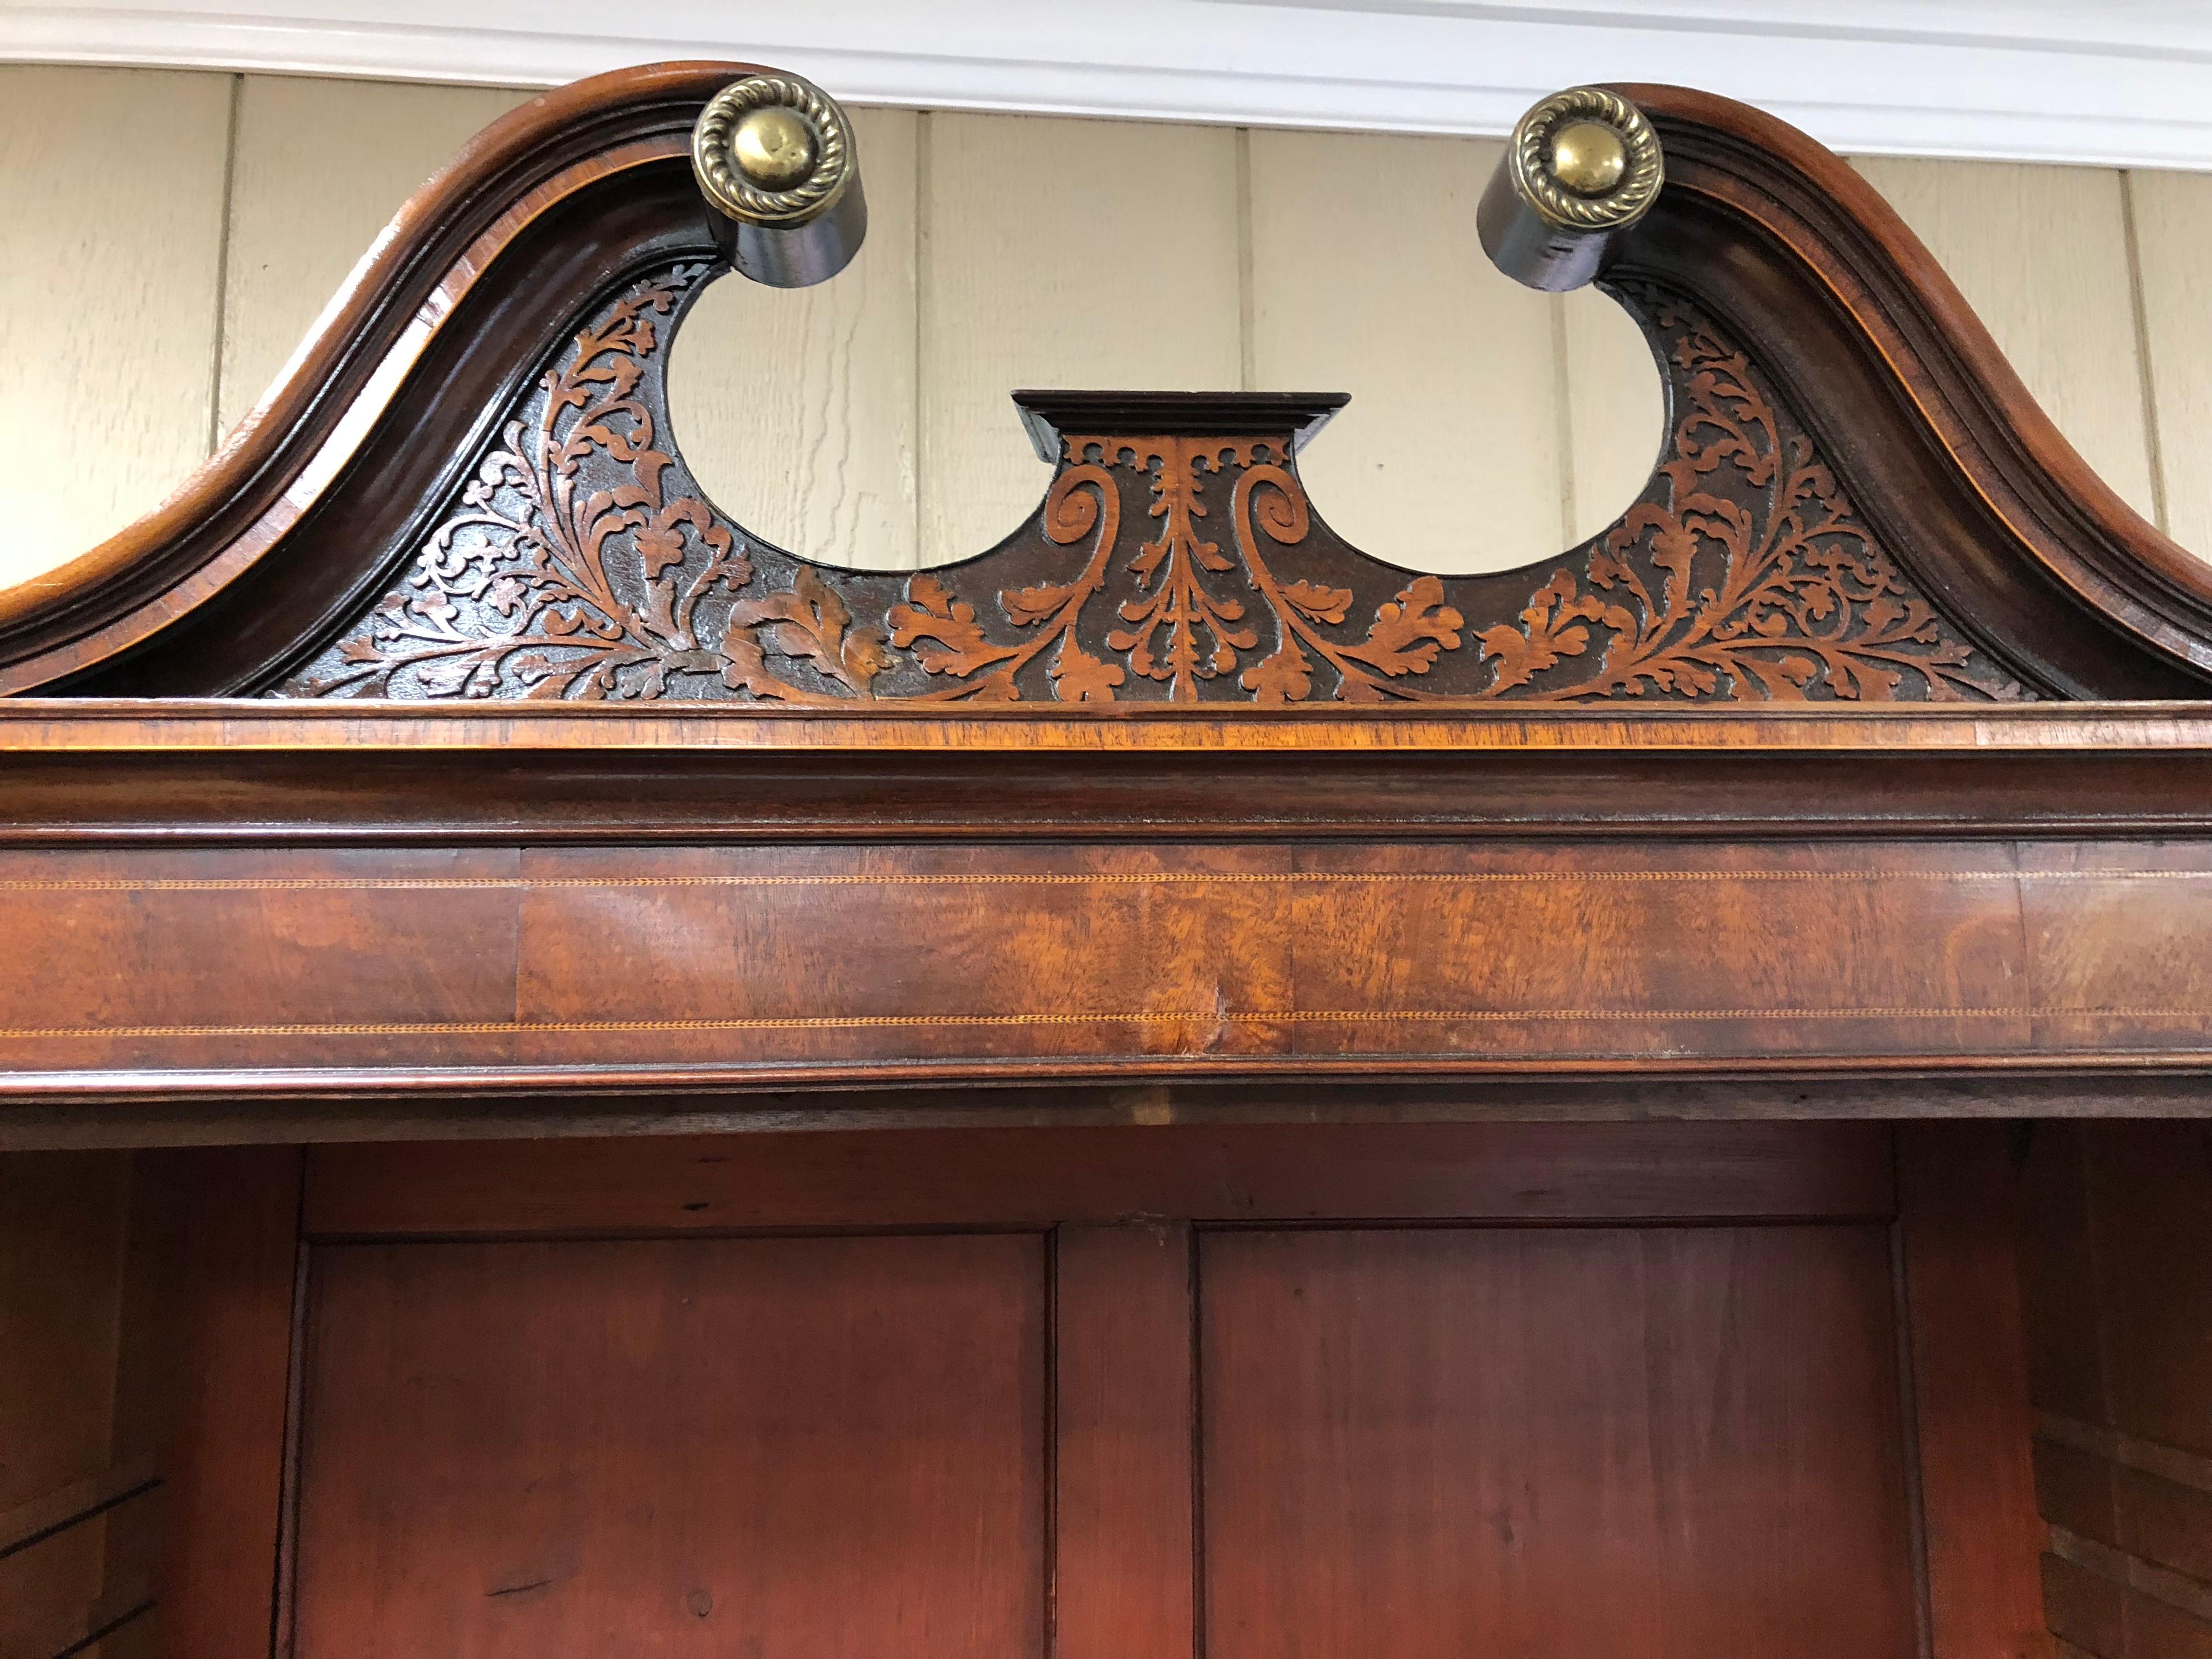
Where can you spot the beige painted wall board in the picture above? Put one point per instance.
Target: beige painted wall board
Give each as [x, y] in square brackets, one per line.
[795, 407]
[1060, 253]
[2041, 253]
[108, 295]
[321, 167]
[2173, 241]
[1368, 277]
[1616, 411]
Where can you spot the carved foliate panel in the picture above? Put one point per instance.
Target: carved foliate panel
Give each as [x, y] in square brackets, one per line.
[1175, 558]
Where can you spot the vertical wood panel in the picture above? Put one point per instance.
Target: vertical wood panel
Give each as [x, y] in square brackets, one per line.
[61, 1220]
[146, 1394]
[321, 166]
[2058, 1277]
[1122, 1367]
[2150, 1187]
[1672, 1442]
[2041, 254]
[1960, 1197]
[1368, 277]
[2173, 243]
[1060, 253]
[111, 220]
[228, 1231]
[795, 1448]
[61, 1271]
[795, 407]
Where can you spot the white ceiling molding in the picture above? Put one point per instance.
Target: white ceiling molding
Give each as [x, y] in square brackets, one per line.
[2114, 82]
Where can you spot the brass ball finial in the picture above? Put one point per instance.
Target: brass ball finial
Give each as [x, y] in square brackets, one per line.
[775, 163]
[1588, 157]
[775, 148]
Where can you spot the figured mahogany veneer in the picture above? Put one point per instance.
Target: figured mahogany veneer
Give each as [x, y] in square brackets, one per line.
[769, 911]
[769, 965]
[336, 906]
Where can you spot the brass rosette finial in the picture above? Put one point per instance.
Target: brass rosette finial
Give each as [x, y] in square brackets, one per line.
[1583, 166]
[775, 157]
[1587, 159]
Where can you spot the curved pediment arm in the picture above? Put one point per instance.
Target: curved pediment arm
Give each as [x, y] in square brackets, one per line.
[1944, 449]
[302, 512]
[467, 487]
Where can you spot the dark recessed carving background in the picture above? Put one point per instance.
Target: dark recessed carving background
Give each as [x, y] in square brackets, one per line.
[583, 562]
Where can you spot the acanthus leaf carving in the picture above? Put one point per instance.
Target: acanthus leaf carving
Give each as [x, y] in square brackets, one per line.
[579, 562]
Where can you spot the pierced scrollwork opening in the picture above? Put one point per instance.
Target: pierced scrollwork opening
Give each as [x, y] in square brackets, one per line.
[581, 562]
[1767, 584]
[555, 578]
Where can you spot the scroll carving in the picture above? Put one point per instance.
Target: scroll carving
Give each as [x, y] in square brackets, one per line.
[581, 562]
[572, 569]
[1800, 597]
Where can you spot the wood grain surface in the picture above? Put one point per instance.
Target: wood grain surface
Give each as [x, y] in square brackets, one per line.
[62, 1223]
[802, 962]
[224, 1227]
[812, 1447]
[1959, 1227]
[1125, 1500]
[105, 775]
[1092, 1177]
[1672, 1442]
[1634, 1389]
[329, 160]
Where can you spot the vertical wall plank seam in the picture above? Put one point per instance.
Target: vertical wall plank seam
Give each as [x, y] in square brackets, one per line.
[924, 212]
[2146, 369]
[1563, 419]
[214, 432]
[1248, 349]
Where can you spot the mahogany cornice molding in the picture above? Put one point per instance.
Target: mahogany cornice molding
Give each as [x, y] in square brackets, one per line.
[94, 774]
[236, 920]
[2009, 79]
